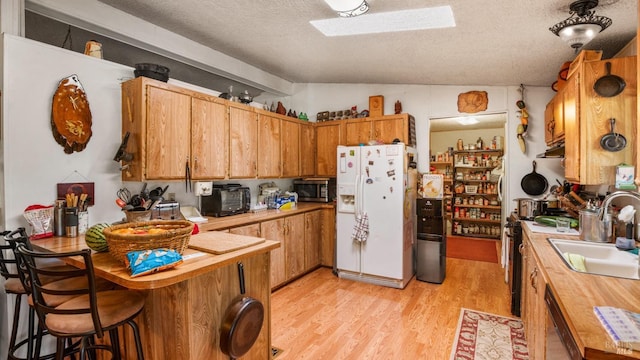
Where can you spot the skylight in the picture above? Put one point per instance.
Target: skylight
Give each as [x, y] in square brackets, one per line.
[402, 20]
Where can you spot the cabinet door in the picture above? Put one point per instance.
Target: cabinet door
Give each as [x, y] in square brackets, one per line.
[328, 137]
[558, 114]
[328, 231]
[389, 128]
[549, 122]
[572, 128]
[209, 140]
[294, 245]
[168, 133]
[312, 237]
[358, 131]
[307, 149]
[248, 230]
[243, 145]
[290, 148]
[274, 230]
[268, 146]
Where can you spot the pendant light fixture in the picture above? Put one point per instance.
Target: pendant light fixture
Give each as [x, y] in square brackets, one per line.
[582, 25]
[348, 8]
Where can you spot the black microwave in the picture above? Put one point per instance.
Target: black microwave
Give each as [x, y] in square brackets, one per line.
[315, 189]
[225, 200]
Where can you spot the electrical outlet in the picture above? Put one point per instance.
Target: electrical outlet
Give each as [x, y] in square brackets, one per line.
[203, 188]
[171, 196]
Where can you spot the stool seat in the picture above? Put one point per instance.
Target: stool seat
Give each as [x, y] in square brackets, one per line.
[14, 286]
[114, 308]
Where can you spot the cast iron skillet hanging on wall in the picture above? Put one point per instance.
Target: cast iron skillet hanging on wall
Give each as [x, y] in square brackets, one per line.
[242, 322]
[533, 183]
[613, 141]
[609, 85]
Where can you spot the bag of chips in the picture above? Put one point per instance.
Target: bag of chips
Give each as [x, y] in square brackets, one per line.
[145, 262]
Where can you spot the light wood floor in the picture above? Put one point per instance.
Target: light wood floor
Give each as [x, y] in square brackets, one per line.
[322, 317]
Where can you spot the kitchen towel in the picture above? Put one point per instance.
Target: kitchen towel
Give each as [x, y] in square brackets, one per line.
[361, 228]
[576, 260]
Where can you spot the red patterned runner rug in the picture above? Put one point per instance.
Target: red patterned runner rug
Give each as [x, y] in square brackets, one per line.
[484, 336]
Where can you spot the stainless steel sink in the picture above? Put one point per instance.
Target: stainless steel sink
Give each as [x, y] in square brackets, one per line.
[599, 258]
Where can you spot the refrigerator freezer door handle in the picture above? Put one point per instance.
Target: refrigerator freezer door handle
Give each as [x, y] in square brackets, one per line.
[356, 197]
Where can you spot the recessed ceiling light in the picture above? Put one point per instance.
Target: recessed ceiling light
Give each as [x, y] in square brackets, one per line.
[402, 20]
[468, 120]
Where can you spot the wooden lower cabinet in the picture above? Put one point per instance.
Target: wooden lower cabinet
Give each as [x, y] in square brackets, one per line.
[534, 308]
[328, 240]
[302, 238]
[248, 230]
[274, 230]
[312, 237]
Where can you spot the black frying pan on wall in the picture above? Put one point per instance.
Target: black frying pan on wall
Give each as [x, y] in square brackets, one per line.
[534, 184]
[609, 85]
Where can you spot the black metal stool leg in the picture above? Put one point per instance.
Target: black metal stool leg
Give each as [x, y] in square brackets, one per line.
[136, 337]
[14, 330]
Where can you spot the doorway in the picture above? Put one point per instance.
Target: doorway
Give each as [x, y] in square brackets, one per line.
[469, 151]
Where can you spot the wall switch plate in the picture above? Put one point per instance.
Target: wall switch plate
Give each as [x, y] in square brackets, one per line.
[204, 188]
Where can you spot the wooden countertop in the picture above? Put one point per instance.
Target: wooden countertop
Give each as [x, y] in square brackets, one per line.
[218, 223]
[196, 262]
[577, 293]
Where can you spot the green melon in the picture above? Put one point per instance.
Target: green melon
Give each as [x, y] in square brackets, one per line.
[95, 238]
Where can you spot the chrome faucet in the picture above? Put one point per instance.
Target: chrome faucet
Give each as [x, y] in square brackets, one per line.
[614, 195]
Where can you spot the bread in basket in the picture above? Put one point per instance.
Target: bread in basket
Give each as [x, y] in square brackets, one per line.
[147, 235]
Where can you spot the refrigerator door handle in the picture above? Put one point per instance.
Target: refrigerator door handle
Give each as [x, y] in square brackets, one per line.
[357, 197]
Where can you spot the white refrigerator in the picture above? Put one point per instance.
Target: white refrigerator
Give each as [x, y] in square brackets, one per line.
[376, 191]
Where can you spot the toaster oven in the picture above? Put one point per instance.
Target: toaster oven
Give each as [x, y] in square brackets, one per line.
[225, 200]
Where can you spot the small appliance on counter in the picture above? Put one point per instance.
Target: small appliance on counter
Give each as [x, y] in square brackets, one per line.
[225, 200]
[268, 192]
[315, 189]
[166, 210]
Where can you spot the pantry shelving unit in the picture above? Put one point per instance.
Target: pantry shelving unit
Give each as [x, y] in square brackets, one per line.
[476, 207]
[446, 169]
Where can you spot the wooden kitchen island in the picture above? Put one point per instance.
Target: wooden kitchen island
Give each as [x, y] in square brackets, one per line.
[185, 306]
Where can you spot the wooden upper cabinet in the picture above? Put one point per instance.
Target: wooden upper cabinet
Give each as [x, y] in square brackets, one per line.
[209, 139]
[357, 131]
[558, 115]
[168, 133]
[587, 118]
[269, 161]
[383, 128]
[158, 117]
[243, 141]
[389, 128]
[290, 148]
[328, 136]
[549, 122]
[307, 149]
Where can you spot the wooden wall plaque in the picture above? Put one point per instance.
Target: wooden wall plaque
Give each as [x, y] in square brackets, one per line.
[473, 102]
[376, 105]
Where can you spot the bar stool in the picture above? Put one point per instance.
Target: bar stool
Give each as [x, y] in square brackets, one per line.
[18, 285]
[13, 286]
[89, 313]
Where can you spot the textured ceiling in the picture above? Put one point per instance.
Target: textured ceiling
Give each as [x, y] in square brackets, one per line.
[495, 42]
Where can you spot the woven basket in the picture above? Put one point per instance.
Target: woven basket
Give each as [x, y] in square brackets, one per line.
[176, 237]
